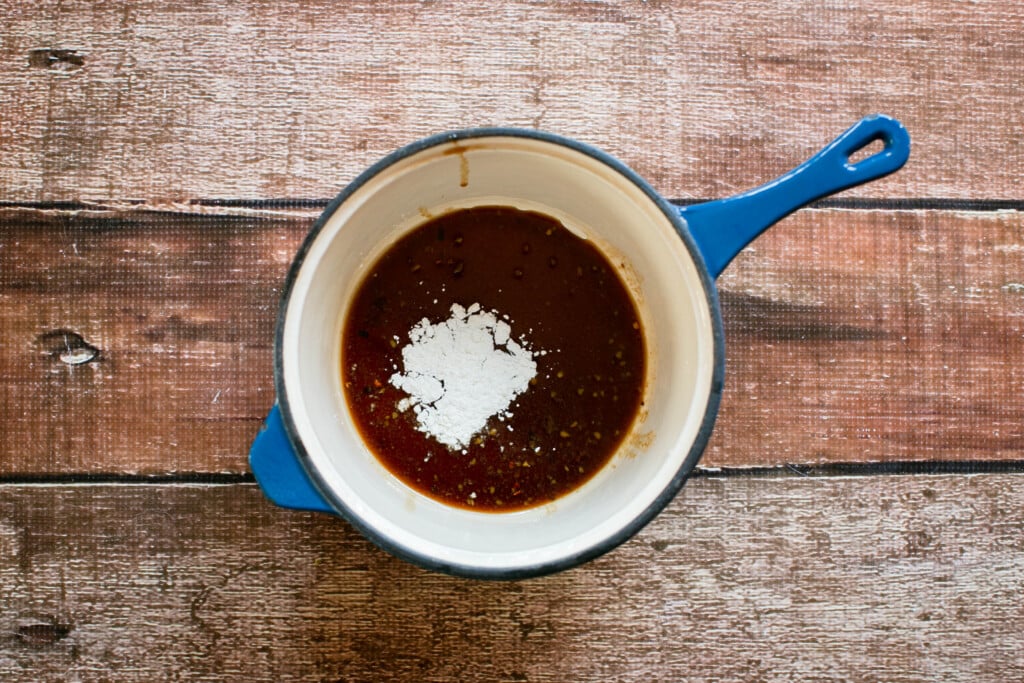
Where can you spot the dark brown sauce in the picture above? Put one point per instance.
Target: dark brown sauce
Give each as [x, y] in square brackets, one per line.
[560, 295]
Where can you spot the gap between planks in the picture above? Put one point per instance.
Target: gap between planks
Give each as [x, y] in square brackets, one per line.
[831, 471]
[313, 206]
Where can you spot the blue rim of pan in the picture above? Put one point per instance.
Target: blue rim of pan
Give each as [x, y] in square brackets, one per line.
[638, 522]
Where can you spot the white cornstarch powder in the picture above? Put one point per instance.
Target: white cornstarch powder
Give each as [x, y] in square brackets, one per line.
[461, 372]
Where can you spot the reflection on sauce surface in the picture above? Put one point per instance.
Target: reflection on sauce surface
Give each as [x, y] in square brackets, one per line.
[561, 298]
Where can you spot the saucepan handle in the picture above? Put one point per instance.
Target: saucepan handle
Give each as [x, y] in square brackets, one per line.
[723, 227]
[278, 470]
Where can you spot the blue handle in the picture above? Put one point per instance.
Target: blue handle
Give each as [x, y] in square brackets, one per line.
[722, 228]
[278, 470]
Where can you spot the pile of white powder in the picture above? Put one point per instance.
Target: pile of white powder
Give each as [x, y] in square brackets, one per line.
[461, 372]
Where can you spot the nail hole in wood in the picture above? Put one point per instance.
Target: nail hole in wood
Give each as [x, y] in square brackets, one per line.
[56, 58]
[43, 632]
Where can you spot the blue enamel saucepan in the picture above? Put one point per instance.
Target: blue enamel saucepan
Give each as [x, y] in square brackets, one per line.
[310, 455]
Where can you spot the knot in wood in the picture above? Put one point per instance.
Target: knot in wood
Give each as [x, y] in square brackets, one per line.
[69, 347]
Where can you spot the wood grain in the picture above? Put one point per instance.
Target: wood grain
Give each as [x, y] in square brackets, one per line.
[136, 328]
[181, 313]
[864, 579]
[865, 336]
[164, 101]
[875, 336]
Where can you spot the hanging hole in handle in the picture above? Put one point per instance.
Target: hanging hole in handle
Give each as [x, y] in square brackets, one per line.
[867, 150]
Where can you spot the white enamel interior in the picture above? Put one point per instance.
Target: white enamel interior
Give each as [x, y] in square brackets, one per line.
[593, 199]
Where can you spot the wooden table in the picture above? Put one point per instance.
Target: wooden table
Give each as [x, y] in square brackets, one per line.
[860, 513]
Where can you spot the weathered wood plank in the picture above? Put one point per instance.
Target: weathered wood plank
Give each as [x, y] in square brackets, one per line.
[250, 99]
[862, 579]
[851, 337]
[875, 336]
[180, 312]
